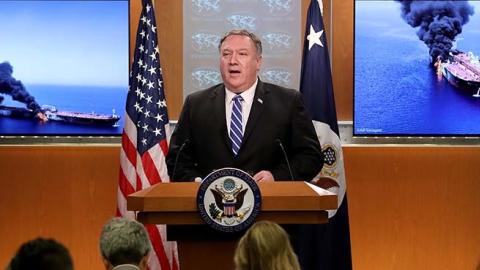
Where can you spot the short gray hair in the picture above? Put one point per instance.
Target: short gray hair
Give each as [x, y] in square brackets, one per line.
[243, 32]
[124, 241]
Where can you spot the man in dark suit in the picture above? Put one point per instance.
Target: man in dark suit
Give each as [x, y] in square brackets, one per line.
[244, 123]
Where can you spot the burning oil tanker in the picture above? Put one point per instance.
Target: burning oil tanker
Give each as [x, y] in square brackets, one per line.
[68, 117]
[438, 24]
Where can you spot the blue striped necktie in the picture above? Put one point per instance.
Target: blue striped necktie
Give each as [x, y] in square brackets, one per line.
[236, 133]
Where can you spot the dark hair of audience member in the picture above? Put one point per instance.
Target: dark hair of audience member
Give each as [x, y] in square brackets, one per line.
[41, 254]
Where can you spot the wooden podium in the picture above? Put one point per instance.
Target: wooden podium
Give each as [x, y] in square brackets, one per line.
[200, 247]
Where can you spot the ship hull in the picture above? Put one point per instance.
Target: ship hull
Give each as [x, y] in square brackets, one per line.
[463, 71]
[88, 121]
[469, 87]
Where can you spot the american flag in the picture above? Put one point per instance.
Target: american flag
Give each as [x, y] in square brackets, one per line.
[145, 135]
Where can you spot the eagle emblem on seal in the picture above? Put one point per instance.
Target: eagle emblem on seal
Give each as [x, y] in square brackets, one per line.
[229, 198]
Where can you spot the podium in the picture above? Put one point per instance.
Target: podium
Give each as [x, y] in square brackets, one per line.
[199, 246]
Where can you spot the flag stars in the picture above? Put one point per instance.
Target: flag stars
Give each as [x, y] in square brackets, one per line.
[157, 132]
[146, 96]
[153, 56]
[148, 99]
[329, 156]
[138, 108]
[162, 103]
[314, 37]
[159, 117]
[152, 71]
[150, 85]
[147, 113]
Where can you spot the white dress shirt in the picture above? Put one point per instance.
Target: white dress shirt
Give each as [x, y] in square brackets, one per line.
[247, 102]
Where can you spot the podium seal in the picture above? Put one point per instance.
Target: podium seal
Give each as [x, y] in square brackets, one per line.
[229, 200]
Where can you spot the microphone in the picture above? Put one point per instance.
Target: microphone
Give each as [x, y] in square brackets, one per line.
[279, 142]
[187, 141]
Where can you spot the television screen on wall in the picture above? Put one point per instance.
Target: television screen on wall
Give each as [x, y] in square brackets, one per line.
[416, 68]
[63, 67]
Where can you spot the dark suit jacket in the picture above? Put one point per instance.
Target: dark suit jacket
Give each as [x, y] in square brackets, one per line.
[277, 114]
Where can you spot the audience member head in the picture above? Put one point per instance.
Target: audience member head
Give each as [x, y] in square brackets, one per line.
[124, 242]
[41, 254]
[265, 246]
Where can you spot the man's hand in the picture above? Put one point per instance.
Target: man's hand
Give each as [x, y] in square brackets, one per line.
[263, 176]
[42, 117]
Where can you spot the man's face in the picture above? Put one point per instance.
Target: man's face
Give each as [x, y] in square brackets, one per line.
[239, 63]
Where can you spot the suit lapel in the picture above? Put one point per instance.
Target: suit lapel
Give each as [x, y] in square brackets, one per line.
[258, 106]
[218, 99]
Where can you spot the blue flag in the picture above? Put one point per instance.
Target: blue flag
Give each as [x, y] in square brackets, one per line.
[316, 85]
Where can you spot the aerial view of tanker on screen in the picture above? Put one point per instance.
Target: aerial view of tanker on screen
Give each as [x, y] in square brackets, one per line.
[63, 67]
[417, 68]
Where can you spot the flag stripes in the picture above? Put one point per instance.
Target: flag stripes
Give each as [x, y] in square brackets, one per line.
[144, 139]
[136, 176]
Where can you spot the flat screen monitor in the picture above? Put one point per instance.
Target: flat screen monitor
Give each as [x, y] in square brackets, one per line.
[416, 68]
[67, 60]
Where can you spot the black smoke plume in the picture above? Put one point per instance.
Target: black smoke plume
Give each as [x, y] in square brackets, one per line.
[439, 22]
[15, 88]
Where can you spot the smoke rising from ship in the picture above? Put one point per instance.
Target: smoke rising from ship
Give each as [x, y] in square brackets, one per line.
[439, 22]
[9, 85]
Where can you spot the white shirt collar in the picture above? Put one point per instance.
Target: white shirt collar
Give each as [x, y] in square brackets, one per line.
[247, 95]
[126, 267]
